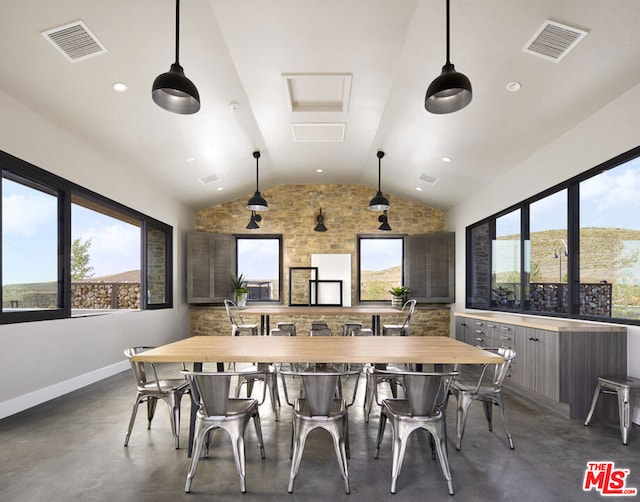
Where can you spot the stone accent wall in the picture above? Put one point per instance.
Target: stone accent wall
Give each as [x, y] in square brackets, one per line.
[292, 213]
[105, 295]
[156, 266]
[595, 298]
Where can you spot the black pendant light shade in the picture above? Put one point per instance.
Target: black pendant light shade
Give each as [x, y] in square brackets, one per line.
[379, 201]
[451, 91]
[320, 227]
[384, 222]
[253, 221]
[257, 202]
[173, 91]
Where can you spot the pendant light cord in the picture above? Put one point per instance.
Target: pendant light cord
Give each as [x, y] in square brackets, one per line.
[257, 187]
[379, 171]
[177, 31]
[448, 62]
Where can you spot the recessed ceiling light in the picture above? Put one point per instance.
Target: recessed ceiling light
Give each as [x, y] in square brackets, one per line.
[446, 159]
[188, 160]
[220, 189]
[513, 86]
[319, 170]
[419, 189]
[119, 86]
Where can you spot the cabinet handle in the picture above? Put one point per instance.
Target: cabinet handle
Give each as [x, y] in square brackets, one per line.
[478, 323]
[491, 325]
[479, 331]
[505, 328]
[463, 324]
[478, 339]
[534, 339]
[504, 337]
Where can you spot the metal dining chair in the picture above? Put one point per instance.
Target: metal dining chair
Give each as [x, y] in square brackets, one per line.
[422, 409]
[318, 407]
[487, 389]
[218, 411]
[238, 326]
[401, 326]
[151, 388]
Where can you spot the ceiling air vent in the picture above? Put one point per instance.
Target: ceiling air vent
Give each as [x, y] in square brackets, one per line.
[428, 179]
[207, 180]
[553, 41]
[75, 41]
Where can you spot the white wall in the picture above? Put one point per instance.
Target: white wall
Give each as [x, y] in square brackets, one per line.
[606, 134]
[44, 359]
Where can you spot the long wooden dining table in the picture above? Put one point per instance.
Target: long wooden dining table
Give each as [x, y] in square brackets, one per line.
[266, 311]
[322, 349]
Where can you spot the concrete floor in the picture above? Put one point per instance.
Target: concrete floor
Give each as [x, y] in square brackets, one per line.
[71, 448]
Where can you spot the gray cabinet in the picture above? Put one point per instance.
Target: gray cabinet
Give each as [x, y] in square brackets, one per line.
[558, 366]
[429, 266]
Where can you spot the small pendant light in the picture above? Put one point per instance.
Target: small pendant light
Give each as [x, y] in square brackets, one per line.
[257, 202]
[320, 227]
[379, 202]
[451, 91]
[385, 223]
[173, 91]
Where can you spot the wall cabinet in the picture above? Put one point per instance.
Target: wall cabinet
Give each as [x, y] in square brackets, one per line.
[210, 262]
[557, 361]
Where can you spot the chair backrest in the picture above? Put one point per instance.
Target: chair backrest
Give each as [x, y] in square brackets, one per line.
[319, 388]
[496, 373]
[425, 391]
[232, 313]
[213, 389]
[409, 307]
[139, 368]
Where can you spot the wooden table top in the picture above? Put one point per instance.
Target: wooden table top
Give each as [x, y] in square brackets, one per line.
[320, 349]
[316, 310]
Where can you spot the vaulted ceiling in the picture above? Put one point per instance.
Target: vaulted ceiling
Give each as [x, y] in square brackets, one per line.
[319, 85]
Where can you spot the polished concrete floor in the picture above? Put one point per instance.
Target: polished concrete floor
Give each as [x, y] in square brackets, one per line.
[71, 449]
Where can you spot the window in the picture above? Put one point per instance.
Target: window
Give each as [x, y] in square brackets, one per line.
[69, 251]
[573, 250]
[380, 261]
[259, 260]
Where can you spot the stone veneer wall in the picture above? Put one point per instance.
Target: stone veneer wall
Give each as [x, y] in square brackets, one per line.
[105, 295]
[292, 213]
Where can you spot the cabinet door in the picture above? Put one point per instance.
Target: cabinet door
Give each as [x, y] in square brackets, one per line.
[537, 366]
[464, 329]
[210, 263]
[429, 266]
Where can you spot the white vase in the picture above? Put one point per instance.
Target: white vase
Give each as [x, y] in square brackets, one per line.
[241, 299]
[397, 302]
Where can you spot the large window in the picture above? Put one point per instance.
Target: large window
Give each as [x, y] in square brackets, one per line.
[260, 263]
[69, 251]
[572, 251]
[380, 262]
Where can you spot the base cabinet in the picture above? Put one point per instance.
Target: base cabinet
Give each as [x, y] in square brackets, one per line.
[559, 366]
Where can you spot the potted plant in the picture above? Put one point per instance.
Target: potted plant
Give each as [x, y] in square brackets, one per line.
[240, 289]
[398, 296]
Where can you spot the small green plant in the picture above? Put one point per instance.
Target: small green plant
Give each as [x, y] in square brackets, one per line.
[239, 284]
[400, 291]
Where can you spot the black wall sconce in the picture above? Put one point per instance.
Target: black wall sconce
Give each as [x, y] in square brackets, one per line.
[384, 222]
[253, 222]
[320, 227]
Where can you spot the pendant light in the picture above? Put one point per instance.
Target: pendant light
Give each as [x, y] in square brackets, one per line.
[253, 221]
[173, 91]
[385, 223]
[379, 202]
[257, 202]
[451, 91]
[320, 227]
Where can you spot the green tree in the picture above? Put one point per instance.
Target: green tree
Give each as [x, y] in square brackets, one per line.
[80, 268]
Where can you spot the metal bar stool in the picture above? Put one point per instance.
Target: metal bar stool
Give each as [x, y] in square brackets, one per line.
[625, 388]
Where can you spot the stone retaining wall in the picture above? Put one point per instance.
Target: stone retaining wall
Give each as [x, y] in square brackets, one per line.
[105, 295]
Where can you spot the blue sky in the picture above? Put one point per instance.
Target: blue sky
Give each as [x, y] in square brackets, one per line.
[29, 227]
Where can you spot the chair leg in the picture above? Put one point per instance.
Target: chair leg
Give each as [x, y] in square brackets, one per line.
[461, 416]
[369, 396]
[381, 427]
[625, 413]
[139, 399]
[341, 454]
[198, 440]
[298, 447]
[258, 426]
[173, 401]
[487, 404]
[439, 436]
[151, 410]
[500, 403]
[237, 438]
[594, 401]
[399, 447]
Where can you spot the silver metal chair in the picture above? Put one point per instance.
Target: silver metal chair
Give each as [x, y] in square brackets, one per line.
[267, 373]
[151, 388]
[401, 327]
[626, 390]
[218, 411]
[318, 407]
[487, 389]
[238, 326]
[422, 409]
[289, 327]
[320, 329]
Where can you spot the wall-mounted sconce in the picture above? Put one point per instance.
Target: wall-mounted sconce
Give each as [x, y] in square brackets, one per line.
[253, 222]
[384, 222]
[320, 227]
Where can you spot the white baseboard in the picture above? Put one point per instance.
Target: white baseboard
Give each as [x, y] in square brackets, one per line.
[21, 403]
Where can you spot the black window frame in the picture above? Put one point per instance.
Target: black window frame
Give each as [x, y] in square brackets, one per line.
[361, 237]
[277, 237]
[65, 190]
[572, 186]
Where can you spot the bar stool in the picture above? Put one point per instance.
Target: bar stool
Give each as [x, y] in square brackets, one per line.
[625, 388]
